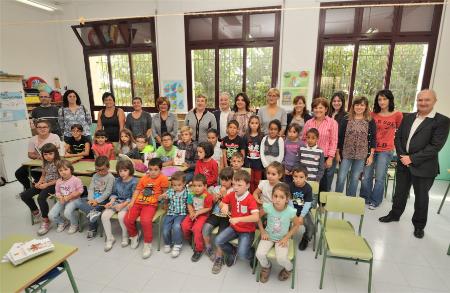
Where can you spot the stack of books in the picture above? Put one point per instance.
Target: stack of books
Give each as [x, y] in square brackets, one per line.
[21, 252]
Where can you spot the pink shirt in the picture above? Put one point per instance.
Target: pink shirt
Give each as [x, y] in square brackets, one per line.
[386, 128]
[66, 187]
[328, 135]
[35, 142]
[104, 150]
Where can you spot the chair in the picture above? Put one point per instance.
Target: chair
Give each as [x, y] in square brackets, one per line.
[313, 210]
[345, 244]
[390, 176]
[50, 196]
[445, 196]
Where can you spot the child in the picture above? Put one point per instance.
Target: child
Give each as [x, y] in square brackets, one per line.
[274, 173]
[98, 193]
[213, 136]
[231, 143]
[244, 213]
[126, 141]
[252, 143]
[311, 156]
[356, 144]
[292, 146]
[102, 147]
[205, 164]
[190, 147]
[142, 150]
[279, 218]
[77, 145]
[44, 187]
[167, 151]
[176, 196]
[68, 190]
[199, 204]
[237, 161]
[144, 205]
[272, 145]
[302, 199]
[217, 218]
[121, 194]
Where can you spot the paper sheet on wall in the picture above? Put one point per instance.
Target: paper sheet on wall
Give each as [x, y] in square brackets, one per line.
[294, 83]
[174, 91]
[12, 107]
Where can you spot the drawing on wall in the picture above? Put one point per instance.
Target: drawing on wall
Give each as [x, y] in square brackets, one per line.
[12, 107]
[174, 91]
[294, 83]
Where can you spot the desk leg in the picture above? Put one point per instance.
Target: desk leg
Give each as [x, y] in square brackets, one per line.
[69, 273]
[443, 200]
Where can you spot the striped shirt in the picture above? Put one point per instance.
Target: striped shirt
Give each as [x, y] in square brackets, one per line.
[313, 159]
[328, 135]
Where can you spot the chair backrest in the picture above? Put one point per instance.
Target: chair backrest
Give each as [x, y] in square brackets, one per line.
[314, 186]
[86, 180]
[324, 195]
[345, 204]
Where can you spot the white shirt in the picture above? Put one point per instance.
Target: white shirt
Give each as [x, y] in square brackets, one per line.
[217, 156]
[416, 124]
[266, 191]
[223, 122]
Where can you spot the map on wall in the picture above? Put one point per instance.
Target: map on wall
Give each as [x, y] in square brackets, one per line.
[174, 91]
[294, 83]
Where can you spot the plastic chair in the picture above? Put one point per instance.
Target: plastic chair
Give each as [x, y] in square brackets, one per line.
[346, 245]
[313, 210]
[445, 196]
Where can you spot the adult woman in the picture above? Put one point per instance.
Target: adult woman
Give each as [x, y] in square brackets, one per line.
[73, 113]
[164, 121]
[139, 122]
[328, 134]
[338, 113]
[241, 112]
[111, 119]
[387, 121]
[200, 120]
[272, 111]
[300, 113]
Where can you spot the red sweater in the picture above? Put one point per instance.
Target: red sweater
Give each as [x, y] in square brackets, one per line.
[209, 169]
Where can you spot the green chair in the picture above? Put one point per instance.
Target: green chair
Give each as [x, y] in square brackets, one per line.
[313, 210]
[51, 197]
[445, 196]
[345, 244]
[390, 176]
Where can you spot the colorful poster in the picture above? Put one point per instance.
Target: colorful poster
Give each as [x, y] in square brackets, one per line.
[294, 83]
[12, 107]
[174, 91]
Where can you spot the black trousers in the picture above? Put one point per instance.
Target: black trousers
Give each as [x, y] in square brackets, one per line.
[323, 184]
[27, 197]
[421, 185]
[22, 176]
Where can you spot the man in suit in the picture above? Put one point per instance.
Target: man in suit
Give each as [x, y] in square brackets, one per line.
[418, 140]
[222, 114]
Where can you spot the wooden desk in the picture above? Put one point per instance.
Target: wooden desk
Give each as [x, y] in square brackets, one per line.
[38, 162]
[19, 278]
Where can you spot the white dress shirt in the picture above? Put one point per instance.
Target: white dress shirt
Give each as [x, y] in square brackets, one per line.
[223, 122]
[419, 119]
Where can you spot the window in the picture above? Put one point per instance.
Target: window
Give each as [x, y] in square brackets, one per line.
[232, 52]
[120, 57]
[365, 49]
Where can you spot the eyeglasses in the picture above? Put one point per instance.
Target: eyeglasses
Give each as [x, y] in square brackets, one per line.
[44, 97]
[42, 127]
[101, 169]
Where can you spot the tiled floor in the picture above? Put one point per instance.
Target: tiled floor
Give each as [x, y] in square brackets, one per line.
[402, 262]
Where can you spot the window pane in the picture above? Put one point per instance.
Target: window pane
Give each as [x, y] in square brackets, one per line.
[98, 66]
[200, 29]
[339, 21]
[230, 27]
[418, 18]
[336, 69]
[121, 80]
[89, 36]
[143, 78]
[377, 19]
[407, 73]
[262, 25]
[231, 71]
[259, 74]
[140, 33]
[371, 70]
[111, 34]
[203, 72]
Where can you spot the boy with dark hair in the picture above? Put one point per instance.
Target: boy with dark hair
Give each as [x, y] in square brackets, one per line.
[231, 143]
[167, 151]
[78, 144]
[311, 156]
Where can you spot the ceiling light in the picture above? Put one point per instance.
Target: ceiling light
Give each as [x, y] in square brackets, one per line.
[38, 5]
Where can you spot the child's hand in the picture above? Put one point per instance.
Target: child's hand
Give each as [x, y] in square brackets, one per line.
[264, 235]
[286, 172]
[222, 191]
[93, 202]
[258, 201]
[118, 207]
[40, 185]
[108, 205]
[130, 205]
[60, 199]
[162, 196]
[192, 215]
[284, 242]
[234, 221]
[225, 210]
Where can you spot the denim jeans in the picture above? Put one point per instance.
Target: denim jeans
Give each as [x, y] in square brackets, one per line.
[330, 174]
[86, 208]
[244, 244]
[69, 212]
[355, 167]
[373, 193]
[172, 233]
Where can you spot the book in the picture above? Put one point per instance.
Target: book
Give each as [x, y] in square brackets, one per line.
[21, 252]
[179, 158]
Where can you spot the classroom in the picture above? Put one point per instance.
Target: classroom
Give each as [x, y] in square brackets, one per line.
[224, 146]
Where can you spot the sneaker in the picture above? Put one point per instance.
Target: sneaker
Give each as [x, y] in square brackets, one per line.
[303, 243]
[372, 206]
[217, 266]
[135, 241]
[196, 256]
[167, 248]
[125, 241]
[43, 229]
[231, 259]
[91, 234]
[210, 253]
[146, 250]
[72, 229]
[109, 244]
[264, 275]
[61, 227]
[176, 251]
[94, 215]
[284, 275]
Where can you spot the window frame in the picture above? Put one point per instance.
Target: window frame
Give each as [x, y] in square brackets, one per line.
[392, 38]
[245, 43]
[128, 48]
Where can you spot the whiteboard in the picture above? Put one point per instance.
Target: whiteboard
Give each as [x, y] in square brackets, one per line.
[14, 122]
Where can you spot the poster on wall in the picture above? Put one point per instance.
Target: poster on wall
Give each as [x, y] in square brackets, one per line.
[12, 107]
[174, 91]
[294, 83]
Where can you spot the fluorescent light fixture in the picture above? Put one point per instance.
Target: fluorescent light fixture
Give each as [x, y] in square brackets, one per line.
[38, 5]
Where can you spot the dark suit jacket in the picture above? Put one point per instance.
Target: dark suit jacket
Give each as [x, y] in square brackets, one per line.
[425, 143]
[217, 115]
